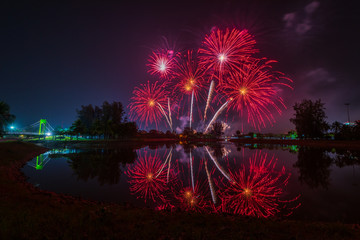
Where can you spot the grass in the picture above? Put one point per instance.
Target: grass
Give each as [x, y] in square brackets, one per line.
[29, 213]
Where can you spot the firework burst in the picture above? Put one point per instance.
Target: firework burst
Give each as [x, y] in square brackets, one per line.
[162, 64]
[189, 80]
[147, 103]
[146, 179]
[256, 190]
[224, 51]
[254, 90]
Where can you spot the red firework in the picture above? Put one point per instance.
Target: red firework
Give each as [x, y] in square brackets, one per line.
[148, 103]
[189, 75]
[223, 51]
[162, 64]
[257, 190]
[255, 90]
[146, 179]
[190, 193]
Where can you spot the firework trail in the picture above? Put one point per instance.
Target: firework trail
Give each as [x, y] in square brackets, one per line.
[192, 172]
[145, 103]
[211, 184]
[166, 117]
[217, 114]
[191, 107]
[167, 158]
[223, 172]
[254, 91]
[211, 89]
[170, 113]
[168, 171]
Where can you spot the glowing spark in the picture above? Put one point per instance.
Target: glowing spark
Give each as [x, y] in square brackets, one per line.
[222, 57]
[151, 103]
[243, 91]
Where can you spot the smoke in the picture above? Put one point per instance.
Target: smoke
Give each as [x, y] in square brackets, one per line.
[301, 21]
[183, 122]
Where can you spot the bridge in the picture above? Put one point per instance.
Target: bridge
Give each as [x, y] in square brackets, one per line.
[39, 128]
[40, 161]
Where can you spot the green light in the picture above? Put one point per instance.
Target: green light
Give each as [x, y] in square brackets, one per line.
[42, 126]
[39, 165]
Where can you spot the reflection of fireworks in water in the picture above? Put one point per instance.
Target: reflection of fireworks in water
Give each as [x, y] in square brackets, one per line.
[147, 102]
[223, 51]
[191, 193]
[146, 181]
[256, 191]
[254, 90]
[162, 63]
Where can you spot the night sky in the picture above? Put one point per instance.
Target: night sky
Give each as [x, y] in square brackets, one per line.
[56, 57]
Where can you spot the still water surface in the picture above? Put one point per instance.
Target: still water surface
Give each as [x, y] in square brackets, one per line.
[292, 182]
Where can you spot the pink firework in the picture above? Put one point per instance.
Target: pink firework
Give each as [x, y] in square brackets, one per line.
[162, 64]
[255, 91]
[148, 103]
[224, 51]
[256, 190]
[146, 179]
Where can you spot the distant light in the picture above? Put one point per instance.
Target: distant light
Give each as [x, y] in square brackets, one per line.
[12, 127]
[48, 134]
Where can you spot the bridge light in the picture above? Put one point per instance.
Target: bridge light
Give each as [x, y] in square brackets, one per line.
[48, 134]
[12, 127]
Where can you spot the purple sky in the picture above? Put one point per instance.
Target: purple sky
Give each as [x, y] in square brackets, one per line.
[56, 57]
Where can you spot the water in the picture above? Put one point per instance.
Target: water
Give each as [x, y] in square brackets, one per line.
[289, 182]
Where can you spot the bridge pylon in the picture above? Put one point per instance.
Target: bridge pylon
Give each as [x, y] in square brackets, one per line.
[42, 126]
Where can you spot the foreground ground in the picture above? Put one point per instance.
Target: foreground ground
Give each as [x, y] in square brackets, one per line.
[29, 213]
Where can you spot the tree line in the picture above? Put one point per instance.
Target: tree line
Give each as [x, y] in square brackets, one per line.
[310, 122]
[105, 121]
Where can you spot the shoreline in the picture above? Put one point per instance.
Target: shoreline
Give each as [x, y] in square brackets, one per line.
[32, 213]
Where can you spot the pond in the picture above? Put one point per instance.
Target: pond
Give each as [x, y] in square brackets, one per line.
[262, 181]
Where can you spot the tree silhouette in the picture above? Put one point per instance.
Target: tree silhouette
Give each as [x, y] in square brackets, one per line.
[314, 167]
[5, 116]
[309, 119]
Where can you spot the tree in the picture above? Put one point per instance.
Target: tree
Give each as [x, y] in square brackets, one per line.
[217, 129]
[309, 119]
[77, 128]
[5, 116]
